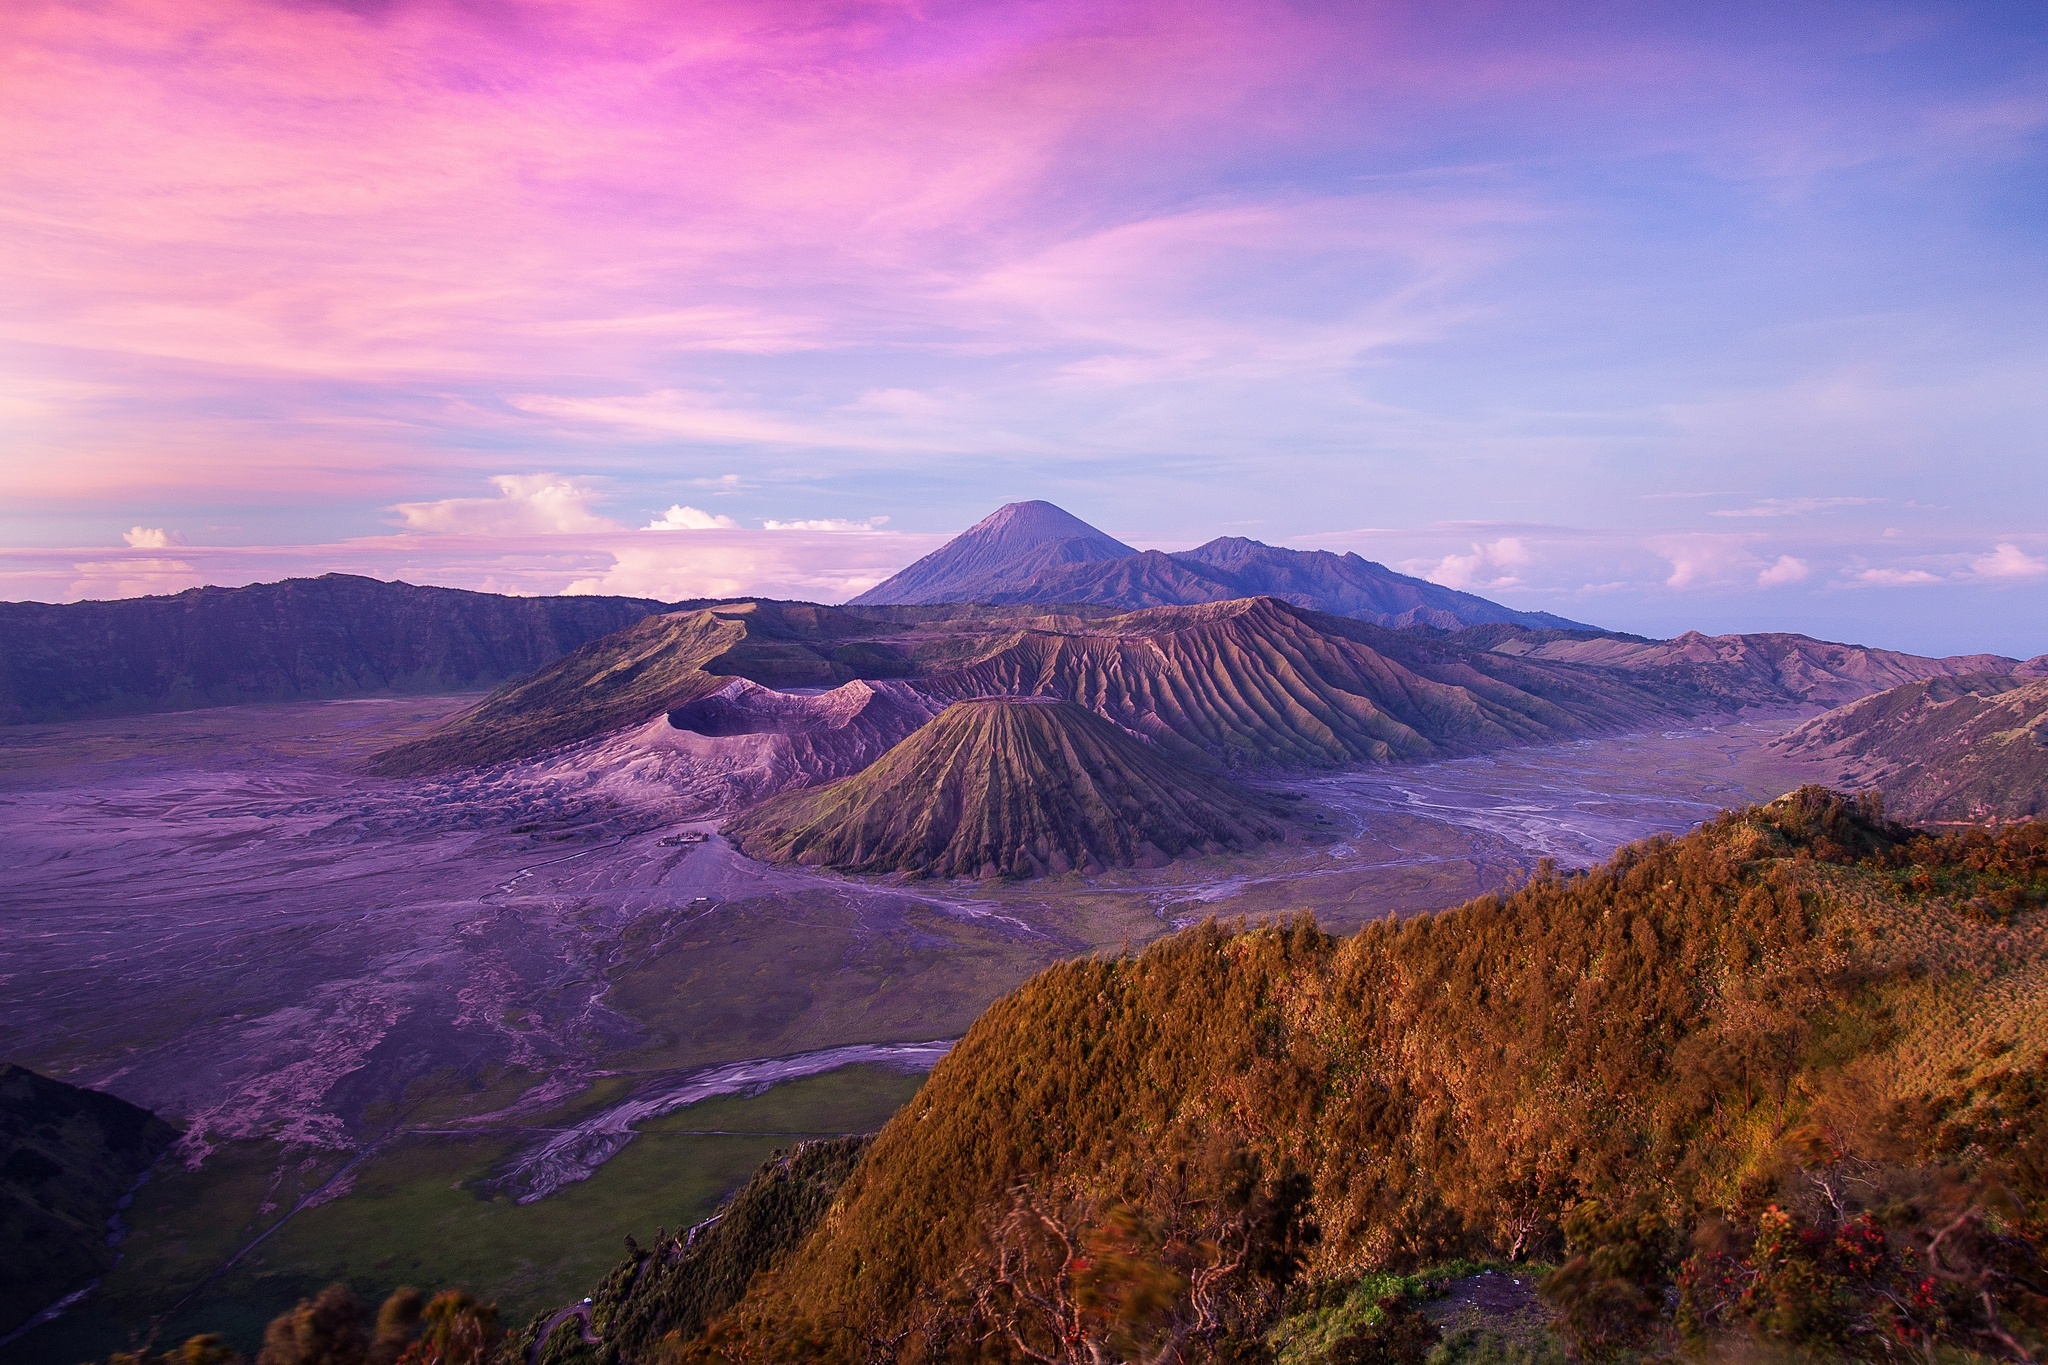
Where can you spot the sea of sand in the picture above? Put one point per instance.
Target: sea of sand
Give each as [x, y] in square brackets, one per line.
[220, 915]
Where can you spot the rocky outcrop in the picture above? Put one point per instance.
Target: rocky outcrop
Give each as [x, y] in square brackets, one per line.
[1944, 750]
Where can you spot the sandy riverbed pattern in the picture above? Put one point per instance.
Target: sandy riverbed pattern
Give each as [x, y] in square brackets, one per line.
[215, 914]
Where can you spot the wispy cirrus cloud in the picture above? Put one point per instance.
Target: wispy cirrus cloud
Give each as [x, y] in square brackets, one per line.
[1891, 578]
[1794, 507]
[825, 524]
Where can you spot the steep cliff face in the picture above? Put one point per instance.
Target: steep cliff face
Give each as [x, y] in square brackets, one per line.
[67, 1158]
[334, 636]
[1009, 787]
[1947, 749]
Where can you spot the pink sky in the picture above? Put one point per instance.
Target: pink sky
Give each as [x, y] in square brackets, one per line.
[271, 272]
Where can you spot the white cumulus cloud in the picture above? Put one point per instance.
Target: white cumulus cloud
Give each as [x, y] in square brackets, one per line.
[1786, 570]
[151, 538]
[527, 504]
[2007, 561]
[681, 518]
[805, 566]
[1491, 565]
[1704, 561]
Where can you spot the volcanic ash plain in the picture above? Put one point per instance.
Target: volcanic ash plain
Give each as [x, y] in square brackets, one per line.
[474, 1029]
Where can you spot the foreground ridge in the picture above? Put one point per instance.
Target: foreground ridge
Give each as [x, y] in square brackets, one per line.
[1719, 1030]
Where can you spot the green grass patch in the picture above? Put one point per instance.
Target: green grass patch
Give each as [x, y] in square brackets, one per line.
[416, 1213]
[1335, 1311]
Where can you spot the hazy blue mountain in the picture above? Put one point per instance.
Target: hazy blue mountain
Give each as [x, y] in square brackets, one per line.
[334, 636]
[1014, 542]
[1035, 552]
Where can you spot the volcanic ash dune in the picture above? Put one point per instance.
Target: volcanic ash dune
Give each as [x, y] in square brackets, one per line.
[1005, 786]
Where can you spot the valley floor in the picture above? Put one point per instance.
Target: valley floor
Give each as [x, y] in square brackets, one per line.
[475, 1031]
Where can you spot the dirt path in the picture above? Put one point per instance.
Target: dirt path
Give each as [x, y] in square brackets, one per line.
[547, 1329]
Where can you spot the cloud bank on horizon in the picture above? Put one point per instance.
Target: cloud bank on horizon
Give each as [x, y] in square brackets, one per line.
[1719, 316]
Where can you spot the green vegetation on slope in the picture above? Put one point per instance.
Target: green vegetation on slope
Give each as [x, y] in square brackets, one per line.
[1786, 1050]
[68, 1157]
[684, 1281]
[1947, 749]
[620, 680]
[425, 1211]
[1007, 787]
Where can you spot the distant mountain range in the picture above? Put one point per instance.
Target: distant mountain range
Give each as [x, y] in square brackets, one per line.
[1243, 684]
[1036, 552]
[334, 636]
[1944, 750]
[761, 698]
[1741, 668]
[1255, 682]
[1262, 659]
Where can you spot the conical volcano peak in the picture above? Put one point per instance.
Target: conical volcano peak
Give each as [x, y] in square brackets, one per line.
[1011, 546]
[1035, 522]
[1037, 552]
[1006, 786]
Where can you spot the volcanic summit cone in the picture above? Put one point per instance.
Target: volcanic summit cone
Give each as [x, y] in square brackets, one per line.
[1006, 786]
